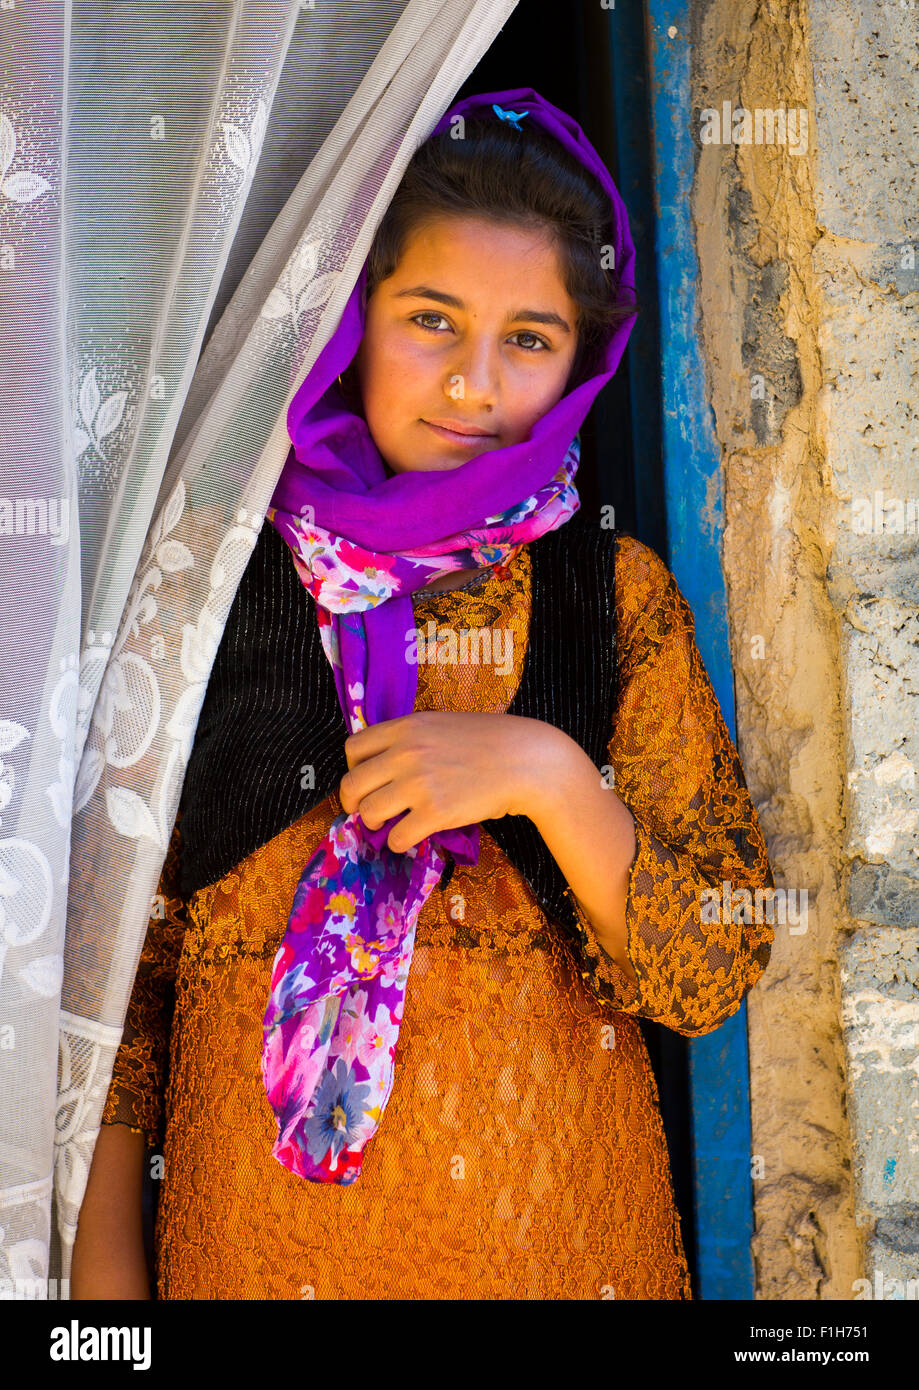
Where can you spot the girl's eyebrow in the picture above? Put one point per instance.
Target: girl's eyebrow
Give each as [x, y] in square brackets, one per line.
[518, 316]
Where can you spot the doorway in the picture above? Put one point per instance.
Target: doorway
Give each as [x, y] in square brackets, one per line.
[622, 452]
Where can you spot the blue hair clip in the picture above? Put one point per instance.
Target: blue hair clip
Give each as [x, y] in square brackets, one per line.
[512, 117]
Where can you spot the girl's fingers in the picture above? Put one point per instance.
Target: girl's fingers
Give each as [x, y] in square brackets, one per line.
[367, 743]
[418, 825]
[375, 809]
[364, 778]
[410, 831]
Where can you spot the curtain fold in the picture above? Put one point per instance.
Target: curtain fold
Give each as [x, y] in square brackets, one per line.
[152, 199]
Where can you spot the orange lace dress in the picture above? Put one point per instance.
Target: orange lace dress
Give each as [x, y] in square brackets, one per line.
[522, 1153]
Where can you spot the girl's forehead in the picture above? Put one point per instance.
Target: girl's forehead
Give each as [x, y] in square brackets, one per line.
[476, 245]
[476, 227]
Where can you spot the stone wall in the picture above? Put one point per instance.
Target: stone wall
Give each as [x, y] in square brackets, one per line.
[809, 265]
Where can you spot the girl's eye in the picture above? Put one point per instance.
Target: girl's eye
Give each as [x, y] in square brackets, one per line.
[525, 333]
[427, 314]
[432, 314]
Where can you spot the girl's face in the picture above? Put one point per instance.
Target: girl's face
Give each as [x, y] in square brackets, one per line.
[474, 331]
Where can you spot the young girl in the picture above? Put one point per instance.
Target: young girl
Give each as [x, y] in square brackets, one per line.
[408, 951]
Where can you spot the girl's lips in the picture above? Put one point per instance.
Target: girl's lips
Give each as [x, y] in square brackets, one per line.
[454, 437]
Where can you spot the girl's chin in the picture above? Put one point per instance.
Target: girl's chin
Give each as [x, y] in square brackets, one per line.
[424, 466]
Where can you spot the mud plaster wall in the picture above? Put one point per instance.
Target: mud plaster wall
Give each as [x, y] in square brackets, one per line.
[803, 291]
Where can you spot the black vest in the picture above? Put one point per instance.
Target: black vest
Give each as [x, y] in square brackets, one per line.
[271, 711]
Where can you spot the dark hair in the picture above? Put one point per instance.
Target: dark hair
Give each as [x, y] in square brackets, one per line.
[515, 176]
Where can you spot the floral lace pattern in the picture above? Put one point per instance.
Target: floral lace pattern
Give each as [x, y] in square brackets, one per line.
[695, 825]
[523, 1154]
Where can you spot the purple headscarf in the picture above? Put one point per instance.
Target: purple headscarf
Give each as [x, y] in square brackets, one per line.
[362, 543]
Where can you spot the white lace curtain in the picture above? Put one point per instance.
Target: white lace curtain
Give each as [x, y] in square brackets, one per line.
[161, 167]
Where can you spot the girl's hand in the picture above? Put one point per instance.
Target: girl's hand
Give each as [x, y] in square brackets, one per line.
[448, 770]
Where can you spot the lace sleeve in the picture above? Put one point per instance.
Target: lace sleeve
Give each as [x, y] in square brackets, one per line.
[135, 1096]
[695, 952]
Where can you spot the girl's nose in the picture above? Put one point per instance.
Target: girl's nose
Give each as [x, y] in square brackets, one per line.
[474, 378]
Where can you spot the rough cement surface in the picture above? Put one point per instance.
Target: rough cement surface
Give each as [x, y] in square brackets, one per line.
[866, 74]
[880, 979]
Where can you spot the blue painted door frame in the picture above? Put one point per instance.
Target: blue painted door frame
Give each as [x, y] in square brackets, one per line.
[655, 48]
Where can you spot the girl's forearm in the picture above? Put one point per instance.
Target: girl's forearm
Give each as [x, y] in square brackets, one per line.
[108, 1255]
[590, 833]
